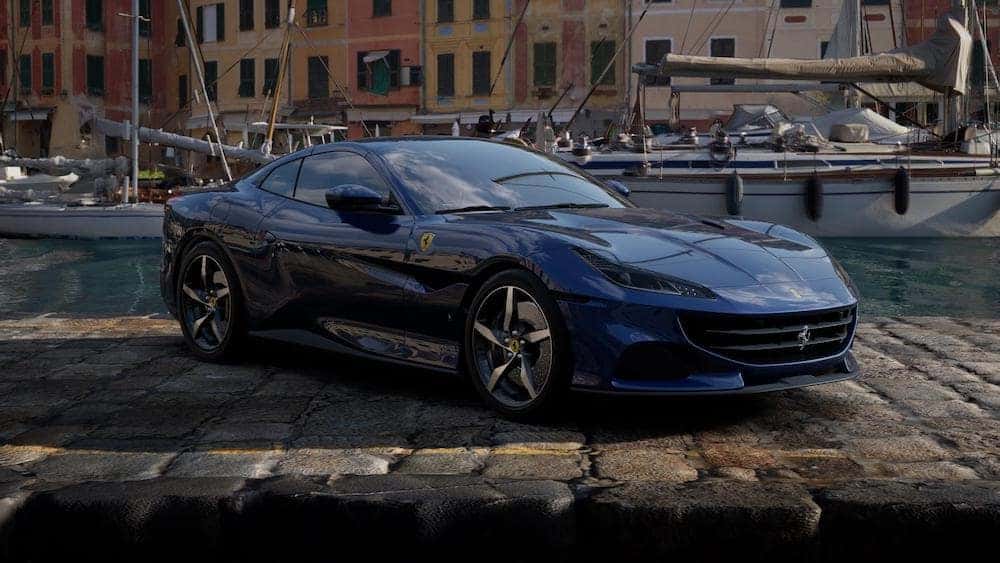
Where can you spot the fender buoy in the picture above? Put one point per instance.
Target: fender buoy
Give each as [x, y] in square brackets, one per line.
[901, 190]
[734, 194]
[814, 197]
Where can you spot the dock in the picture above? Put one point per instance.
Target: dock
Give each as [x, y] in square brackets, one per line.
[117, 443]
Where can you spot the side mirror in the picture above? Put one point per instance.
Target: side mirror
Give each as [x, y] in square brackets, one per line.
[620, 188]
[352, 197]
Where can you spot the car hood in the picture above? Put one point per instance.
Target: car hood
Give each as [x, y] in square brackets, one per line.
[715, 253]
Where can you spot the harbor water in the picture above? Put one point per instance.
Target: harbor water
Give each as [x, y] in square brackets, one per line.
[896, 277]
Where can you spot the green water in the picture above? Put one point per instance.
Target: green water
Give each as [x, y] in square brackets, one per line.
[955, 277]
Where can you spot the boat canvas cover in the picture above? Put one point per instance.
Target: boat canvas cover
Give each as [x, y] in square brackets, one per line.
[940, 63]
[879, 127]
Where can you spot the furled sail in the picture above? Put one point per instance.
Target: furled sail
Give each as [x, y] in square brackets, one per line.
[846, 39]
[940, 63]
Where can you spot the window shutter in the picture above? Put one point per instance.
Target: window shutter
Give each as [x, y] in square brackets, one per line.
[200, 23]
[220, 22]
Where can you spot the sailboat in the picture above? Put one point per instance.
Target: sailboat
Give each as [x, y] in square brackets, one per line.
[826, 176]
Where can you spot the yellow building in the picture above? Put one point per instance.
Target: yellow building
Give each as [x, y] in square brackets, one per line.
[463, 47]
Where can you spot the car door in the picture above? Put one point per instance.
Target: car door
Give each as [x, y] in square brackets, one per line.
[345, 268]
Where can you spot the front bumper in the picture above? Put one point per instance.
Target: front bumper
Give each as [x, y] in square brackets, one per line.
[624, 348]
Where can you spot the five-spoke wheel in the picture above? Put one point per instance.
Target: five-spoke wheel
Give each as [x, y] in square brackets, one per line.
[206, 300]
[513, 346]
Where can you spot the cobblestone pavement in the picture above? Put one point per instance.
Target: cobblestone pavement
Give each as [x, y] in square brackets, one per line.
[120, 400]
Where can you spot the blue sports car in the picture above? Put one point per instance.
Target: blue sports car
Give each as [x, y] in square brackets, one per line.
[525, 274]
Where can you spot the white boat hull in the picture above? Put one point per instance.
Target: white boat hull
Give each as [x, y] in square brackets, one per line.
[133, 221]
[941, 206]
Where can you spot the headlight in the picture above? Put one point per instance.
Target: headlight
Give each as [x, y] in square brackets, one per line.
[637, 278]
[845, 277]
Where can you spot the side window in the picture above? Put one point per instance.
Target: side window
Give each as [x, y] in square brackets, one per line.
[281, 180]
[324, 171]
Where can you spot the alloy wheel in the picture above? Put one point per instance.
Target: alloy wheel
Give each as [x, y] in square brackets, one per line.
[206, 302]
[512, 346]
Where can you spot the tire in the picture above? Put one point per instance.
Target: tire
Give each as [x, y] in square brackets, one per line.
[535, 336]
[220, 335]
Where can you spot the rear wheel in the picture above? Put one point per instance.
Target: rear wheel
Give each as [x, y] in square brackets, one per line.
[516, 346]
[210, 304]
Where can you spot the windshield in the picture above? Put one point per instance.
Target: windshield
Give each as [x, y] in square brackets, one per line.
[467, 175]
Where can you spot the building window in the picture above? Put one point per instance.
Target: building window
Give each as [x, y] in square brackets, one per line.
[145, 26]
[655, 50]
[272, 14]
[24, 73]
[723, 47]
[95, 75]
[48, 16]
[480, 9]
[545, 64]
[246, 15]
[481, 73]
[211, 79]
[48, 73]
[94, 15]
[601, 53]
[3, 67]
[319, 80]
[796, 3]
[378, 71]
[182, 91]
[316, 13]
[446, 75]
[24, 12]
[211, 23]
[145, 81]
[247, 78]
[270, 76]
[181, 39]
[381, 8]
[446, 11]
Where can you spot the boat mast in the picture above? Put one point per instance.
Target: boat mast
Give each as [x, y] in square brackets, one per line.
[283, 58]
[200, 71]
[136, 18]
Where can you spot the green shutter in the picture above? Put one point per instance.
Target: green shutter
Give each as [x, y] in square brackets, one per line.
[48, 71]
[545, 64]
[248, 78]
[211, 77]
[220, 22]
[24, 72]
[601, 54]
[270, 76]
[199, 25]
[25, 13]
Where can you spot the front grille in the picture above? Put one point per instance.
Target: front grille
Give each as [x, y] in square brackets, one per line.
[772, 339]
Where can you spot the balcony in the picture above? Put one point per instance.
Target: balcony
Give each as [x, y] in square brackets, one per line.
[316, 17]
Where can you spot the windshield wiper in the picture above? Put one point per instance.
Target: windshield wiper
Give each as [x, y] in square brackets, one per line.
[503, 179]
[472, 208]
[563, 206]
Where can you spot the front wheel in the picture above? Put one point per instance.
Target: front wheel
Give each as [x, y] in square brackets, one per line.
[210, 304]
[516, 345]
